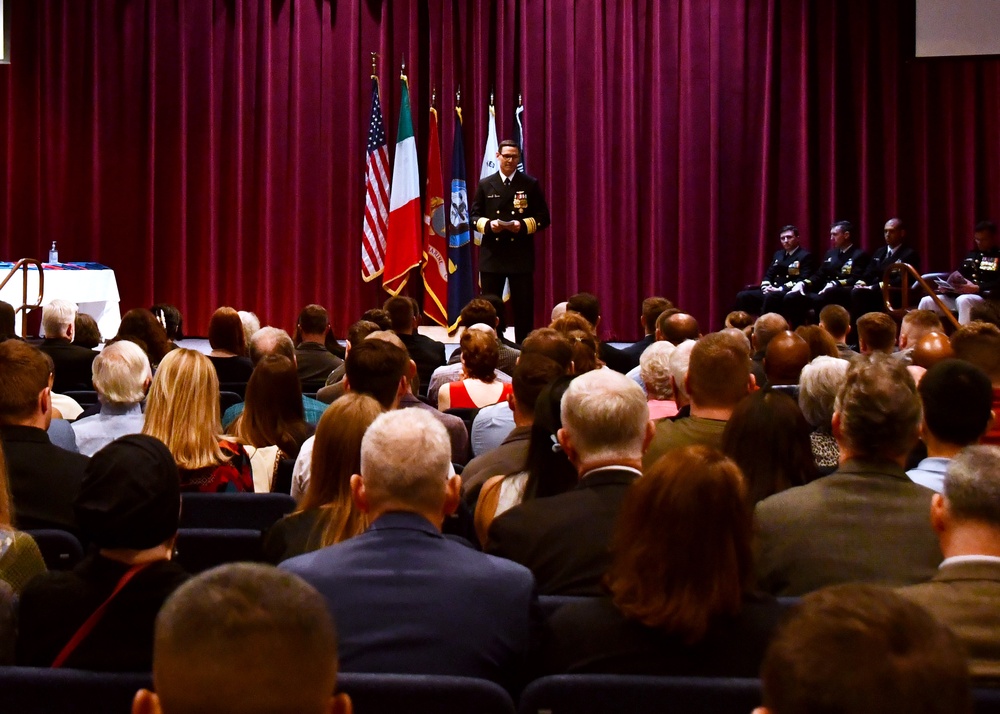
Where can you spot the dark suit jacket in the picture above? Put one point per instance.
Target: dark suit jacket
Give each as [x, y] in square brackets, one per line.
[508, 458]
[458, 433]
[964, 596]
[593, 636]
[880, 259]
[613, 358]
[787, 269]
[73, 364]
[314, 362]
[866, 522]
[843, 267]
[564, 539]
[43, 478]
[507, 252]
[428, 355]
[408, 600]
[634, 351]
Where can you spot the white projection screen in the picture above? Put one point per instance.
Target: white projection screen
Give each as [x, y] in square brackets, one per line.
[953, 28]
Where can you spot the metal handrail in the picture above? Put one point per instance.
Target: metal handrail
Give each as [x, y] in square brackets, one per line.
[22, 265]
[904, 288]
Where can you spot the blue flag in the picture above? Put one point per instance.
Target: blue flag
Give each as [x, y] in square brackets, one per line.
[459, 245]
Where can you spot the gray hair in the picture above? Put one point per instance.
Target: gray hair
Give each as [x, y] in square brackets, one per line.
[406, 459]
[679, 361]
[654, 368]
[766, 327]
[251, 324]
[879, 407]
[819, 383]
[972, 484]
[57, 315]
[120, 373]
[271, 341]
[605, 414]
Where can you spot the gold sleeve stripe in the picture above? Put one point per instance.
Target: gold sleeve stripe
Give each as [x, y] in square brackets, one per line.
[481, 225]
[531, 225]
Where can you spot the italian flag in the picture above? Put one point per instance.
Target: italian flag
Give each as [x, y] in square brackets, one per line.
[404, 243]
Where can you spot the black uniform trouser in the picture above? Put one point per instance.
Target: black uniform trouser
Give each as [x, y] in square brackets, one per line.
[522, 298]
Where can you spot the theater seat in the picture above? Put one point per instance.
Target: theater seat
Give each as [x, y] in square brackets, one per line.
[423, 694]
[60, 550]
[256, 511]
[600, 693]
[199, 549]
[40, 690]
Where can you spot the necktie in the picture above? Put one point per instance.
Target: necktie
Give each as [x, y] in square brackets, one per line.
[506, 182]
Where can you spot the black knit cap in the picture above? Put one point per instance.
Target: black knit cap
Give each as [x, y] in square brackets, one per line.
[130, 495]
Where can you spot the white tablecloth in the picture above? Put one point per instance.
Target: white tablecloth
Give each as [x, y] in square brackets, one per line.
[95, 291]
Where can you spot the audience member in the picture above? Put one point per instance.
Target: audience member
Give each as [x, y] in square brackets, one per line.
[740, 320]
[275, 342]
[479, 386]
[483, 314]
[558, 310]
[764, 329]
[121, 377]
[587, 305]
[651, 309]
[677, 327]
[502, 474]
[836, 320]
[355, 334]
[976, 278]
[7, 328]
[271, 623]
[488, 310]
[681, 563]
[171, 319]
[251, 324]
[128, 507]
[790, 264]
[582, 339]
[786, 355]
[139, 325]
[718, 378]
[859, 649]
[979, 344]
[391, 588]
[182, 411]
[963, 593]
[867, 296]
[564, 539]
[495, 423]
[86, 333]
[229, 346]
[916, 324]
[931, 349]
[680, 361]
[768, 438]
[71, 363]
[509, 350]
[379, 316]
[43, 477]
[326, 514]
[20, 559]
[867, 521]
[876, 333]
[426, 353]
[819, 383]
[821, 344]
[273, 422]
[947, 428]
[313, 361]
[654, 368]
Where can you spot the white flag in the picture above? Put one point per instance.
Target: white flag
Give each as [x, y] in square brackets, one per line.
[489, 157]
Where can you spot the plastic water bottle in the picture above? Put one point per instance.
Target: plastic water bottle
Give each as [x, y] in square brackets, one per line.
[53, 253]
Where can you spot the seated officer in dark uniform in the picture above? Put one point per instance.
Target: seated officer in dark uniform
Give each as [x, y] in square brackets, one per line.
[976, 279]
[842, 266]
[867, 293]
[790, 264]
[508, 209]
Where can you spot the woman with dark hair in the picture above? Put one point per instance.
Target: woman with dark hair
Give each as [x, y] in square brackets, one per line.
[229, 347]
[680, 600]
[171, 319]
[582, 338]
[327, 514]
[139, 325]
[479, 386]
[273, 414]
[768, 438]
[86, 333]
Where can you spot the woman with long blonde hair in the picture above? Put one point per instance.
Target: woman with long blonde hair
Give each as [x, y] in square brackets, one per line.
[182, 411]
[20, 559]
[327, 514]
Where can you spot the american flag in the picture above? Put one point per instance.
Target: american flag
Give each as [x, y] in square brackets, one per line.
[377, 194]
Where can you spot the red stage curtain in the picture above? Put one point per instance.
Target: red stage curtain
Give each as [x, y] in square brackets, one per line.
[212, 151]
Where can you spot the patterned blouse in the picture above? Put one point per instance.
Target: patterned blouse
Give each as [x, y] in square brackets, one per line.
[235, 474]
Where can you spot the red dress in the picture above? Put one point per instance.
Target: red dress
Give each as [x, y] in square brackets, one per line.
[460, 398]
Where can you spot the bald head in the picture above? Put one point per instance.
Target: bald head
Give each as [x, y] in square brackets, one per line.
[678, 327]
[786, 355]
[931, 349]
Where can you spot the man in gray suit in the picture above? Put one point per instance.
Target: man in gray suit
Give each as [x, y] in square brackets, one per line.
[964, 592]
[866, 522]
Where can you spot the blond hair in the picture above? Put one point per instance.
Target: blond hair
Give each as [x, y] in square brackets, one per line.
[182, 409]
